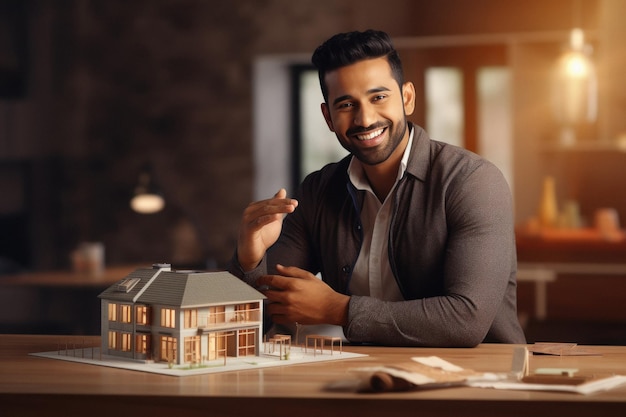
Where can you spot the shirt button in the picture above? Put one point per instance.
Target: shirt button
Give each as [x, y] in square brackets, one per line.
[346, 269]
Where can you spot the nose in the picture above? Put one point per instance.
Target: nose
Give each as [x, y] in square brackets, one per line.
[365, 115]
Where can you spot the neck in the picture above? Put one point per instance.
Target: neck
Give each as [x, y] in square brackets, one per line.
[383, 176]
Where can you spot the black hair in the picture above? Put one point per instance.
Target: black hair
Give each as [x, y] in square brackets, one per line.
[348, 48]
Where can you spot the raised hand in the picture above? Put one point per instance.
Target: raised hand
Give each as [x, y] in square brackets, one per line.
[260, 227]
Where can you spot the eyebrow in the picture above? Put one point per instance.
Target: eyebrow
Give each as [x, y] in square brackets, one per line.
[370, 91]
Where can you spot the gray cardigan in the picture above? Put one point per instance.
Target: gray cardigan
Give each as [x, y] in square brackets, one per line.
[451, 249]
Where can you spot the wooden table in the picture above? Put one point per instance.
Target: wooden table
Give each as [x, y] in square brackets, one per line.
[33, 386]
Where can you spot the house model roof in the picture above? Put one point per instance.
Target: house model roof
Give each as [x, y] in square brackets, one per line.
[187, 289]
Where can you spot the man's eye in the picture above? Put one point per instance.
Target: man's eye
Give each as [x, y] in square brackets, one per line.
[345, 105]
[379, 97]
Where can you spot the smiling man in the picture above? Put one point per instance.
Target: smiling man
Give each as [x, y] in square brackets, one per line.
[413, 238]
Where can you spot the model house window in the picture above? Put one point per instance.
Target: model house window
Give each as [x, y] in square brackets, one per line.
[216, 346]
[142, 343]
[241, 312]
[168, 317]
[112, 340]
[125, 339]
[247, 312]
[217, 314]
[191, 319]
[192, 349]
[168, 349]
[125, 313]
[112, 312]
[247, 342]
[143, 316]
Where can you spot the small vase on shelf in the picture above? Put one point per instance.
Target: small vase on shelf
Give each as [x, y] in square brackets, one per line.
[548, 207]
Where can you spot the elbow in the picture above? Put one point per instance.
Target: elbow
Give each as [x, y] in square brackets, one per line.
[470, 324]
[468, 332]
[466, 338]
[469, 340]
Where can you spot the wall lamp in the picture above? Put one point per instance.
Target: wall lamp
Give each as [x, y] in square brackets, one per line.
[575, 84]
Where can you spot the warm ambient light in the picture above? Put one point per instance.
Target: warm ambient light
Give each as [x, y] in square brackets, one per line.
[576, 63]
[575, 87]
[147, 203]
[147, 199]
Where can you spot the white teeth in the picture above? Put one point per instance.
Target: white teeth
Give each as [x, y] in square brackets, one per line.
[371, 135]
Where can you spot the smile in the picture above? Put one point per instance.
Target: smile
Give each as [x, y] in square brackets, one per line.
[371, 135]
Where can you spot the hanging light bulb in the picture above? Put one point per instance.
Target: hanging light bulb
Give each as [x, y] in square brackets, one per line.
[575, 87]
[147, 199]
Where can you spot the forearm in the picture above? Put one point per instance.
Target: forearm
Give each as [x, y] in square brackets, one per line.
[437, 321]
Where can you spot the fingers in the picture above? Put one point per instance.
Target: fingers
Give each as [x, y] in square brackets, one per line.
[260, 227]
[284, 281]
[282, 193]
[273, 282]
[287, 293]
[275, 288]
[292, 271]
[281, 198]
[260, 213]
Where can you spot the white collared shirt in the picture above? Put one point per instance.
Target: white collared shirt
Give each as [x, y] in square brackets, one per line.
[372, 275]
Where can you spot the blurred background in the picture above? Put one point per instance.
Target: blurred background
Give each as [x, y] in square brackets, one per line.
[214, 103]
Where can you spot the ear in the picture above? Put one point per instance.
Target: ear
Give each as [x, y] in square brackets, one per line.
[326, 113]
[408, 97]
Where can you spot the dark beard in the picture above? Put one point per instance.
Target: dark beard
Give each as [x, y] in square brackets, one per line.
[375, 156]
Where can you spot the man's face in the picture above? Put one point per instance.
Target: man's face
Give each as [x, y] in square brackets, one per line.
[367, 110]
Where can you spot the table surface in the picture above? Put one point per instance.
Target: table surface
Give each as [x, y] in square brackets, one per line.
[38, 386]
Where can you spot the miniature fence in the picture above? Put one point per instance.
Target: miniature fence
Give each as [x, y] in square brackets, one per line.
[79, 350]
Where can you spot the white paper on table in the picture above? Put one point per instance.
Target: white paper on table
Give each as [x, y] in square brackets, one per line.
[437, 362]
[442, 372]
[590, 387]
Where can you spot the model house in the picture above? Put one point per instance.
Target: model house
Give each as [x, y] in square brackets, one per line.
[181, 316]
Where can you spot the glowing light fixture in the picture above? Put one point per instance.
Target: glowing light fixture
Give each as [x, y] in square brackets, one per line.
[147, 198]
[576, 62]
[575, 87]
